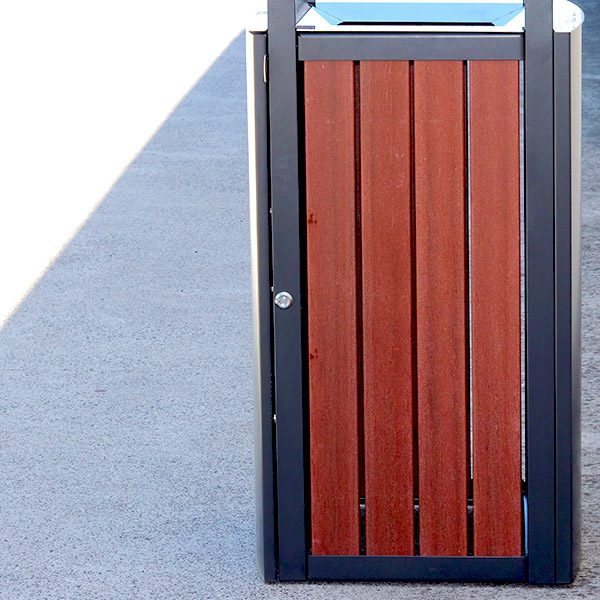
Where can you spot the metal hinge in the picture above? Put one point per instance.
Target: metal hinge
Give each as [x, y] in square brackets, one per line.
[265, 68]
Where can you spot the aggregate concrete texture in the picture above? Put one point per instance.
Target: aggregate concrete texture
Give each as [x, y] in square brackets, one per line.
[126, 402]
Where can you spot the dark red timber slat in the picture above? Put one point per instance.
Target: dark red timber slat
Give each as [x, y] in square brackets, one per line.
[441, 280]
[387, 304]
[332, 306]
[496, 326]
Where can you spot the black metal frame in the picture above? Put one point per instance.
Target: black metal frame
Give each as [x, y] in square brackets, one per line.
[552, 320]
[286, 264]
[539, 288]
[417, 568]
[409, 46]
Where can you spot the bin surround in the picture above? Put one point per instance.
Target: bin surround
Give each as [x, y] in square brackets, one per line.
[552, 126]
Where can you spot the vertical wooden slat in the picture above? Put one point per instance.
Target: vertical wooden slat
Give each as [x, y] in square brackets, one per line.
[496, 312]
[387, 305]
[332, 306]
[441, 265]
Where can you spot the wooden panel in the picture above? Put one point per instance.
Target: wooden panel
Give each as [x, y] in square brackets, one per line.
[496, 334]
[440, 211]
[332, 306]
[387, 306]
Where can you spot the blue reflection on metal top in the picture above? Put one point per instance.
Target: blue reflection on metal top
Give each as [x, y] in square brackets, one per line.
[414, 13]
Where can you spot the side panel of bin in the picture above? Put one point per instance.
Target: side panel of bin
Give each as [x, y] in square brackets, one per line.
[258, 152]
[567, 69]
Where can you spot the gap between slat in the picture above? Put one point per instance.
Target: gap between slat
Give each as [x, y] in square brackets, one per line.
[359, 314]
[468, 315]
[413, 266]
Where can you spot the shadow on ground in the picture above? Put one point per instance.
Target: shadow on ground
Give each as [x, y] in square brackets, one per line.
[126, 410]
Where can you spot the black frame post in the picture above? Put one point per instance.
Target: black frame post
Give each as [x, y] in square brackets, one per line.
[286, 264]
[539, 289]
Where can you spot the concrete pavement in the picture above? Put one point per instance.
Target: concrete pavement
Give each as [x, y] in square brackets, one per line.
[125, 398]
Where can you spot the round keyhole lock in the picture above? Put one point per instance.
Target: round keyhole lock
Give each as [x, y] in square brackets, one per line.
[284, 300]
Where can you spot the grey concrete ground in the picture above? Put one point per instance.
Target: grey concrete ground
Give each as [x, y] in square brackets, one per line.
[125, 394]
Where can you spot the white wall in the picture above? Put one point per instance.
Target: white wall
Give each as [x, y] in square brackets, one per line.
[83, 86]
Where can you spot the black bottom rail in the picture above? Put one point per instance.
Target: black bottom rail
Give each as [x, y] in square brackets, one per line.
[418, 568]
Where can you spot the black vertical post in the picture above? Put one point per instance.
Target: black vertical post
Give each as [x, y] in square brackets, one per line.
[539, 289]
[563, 241]
[567, 105]
[285, 223]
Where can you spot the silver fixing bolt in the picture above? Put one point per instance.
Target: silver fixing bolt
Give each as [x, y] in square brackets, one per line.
[284, 300]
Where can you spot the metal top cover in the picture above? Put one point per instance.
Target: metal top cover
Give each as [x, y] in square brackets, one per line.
[450, 16]
[419, 13]
[482, 16]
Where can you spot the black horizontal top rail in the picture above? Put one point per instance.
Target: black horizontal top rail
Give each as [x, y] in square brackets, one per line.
[410, 46]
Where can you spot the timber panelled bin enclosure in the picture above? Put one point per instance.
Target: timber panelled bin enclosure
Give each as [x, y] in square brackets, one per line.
[415, 238]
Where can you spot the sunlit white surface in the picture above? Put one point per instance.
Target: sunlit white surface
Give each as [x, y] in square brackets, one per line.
[84, 87]
[567, 16]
